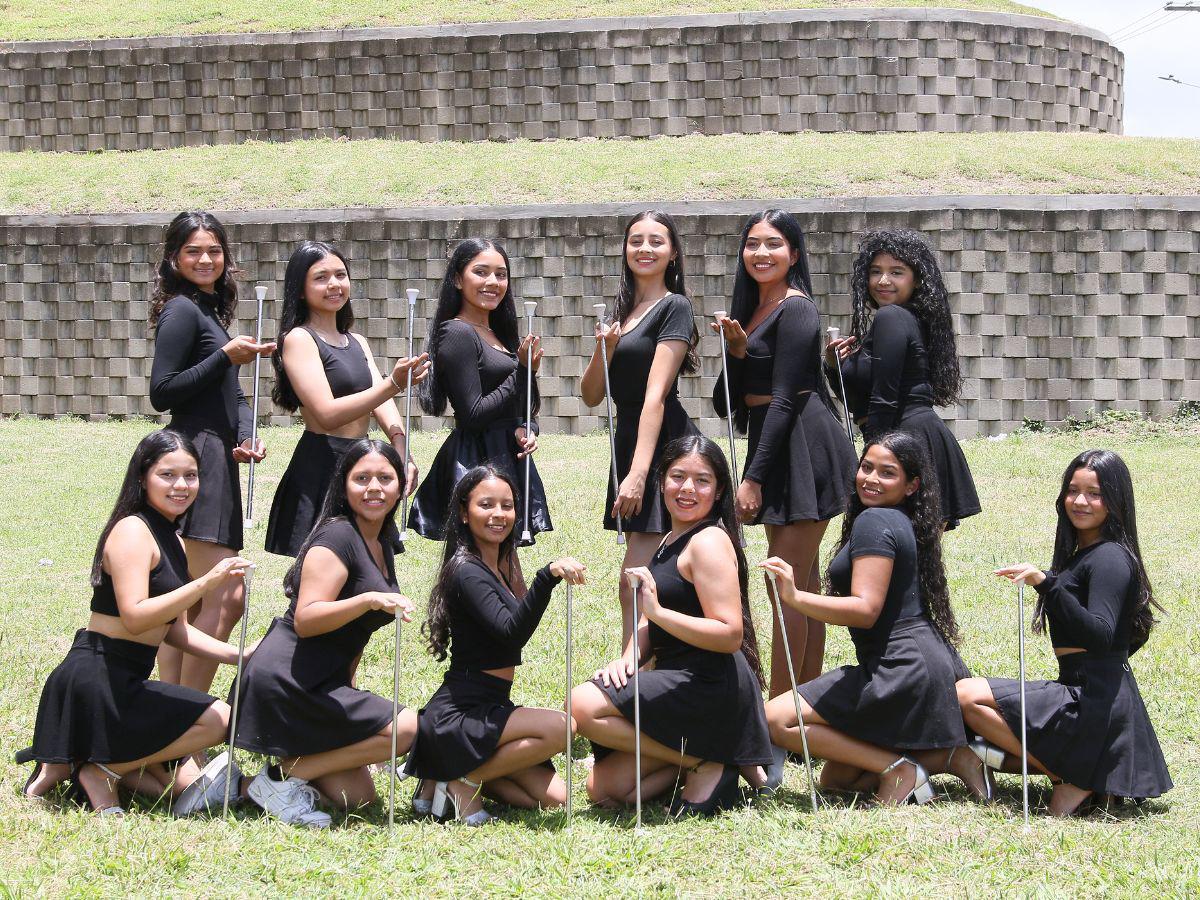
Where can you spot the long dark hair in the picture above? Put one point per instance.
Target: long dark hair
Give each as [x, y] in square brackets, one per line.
[295, 312]
[461, 547]
[930, 303]
[923, 509]
[745, 296]
[169, 283]
[336, 504]
[723, 512]
[1120, 527]
[627, 290]
[131, 499]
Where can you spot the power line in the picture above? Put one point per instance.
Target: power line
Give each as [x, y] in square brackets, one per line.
[1130, 25]
[1152, 26]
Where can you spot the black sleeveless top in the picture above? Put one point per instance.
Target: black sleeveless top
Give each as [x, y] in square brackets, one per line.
[677, 593]
[170, 574]
[346, 368]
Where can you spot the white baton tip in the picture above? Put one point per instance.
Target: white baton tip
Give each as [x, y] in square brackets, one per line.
[718, 314]
[412, 293]
[530, 306]
[634, 578]
[260, 291]
[599, 306]
[833, 331]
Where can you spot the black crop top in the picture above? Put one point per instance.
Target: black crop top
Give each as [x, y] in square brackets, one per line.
[670, 319]
[889, 373]
[783, 360]
[171, 572]
[488, 625]
[881, 531]
[485, 386]
[346, 368]
[192, 376]
[677, 593]
[1090, 603]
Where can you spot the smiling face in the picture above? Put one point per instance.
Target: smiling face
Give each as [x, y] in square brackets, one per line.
[1084, 505]
[491, 512]
[372, 488]
[327, 284]
[767, 254]
[889, 280]
[689, 490]
[484, 281]
[171, 483]
[201, 260]
[881, 480]
[648, 249]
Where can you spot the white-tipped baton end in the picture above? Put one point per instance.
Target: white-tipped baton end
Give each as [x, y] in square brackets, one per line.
[530, 306]
[247, 523]
[404, 536]
[621, 538]
[260, 291]
[834, 332]
[412, 293]
[600, 308]
[720, 314]
[248, 575]
[526, 536]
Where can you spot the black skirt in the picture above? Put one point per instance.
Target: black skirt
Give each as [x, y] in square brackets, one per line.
[297, 699]
[814, 476]
[956, 487]
[709, 705]
[99, 706]
[463, 450]
[216, 514]
[900, 695]
[652, 518]
[1089, 727]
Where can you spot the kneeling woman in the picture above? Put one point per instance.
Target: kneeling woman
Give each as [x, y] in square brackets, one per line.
[701, 707]
[299, 700]
[888, 586]
[101, 721]
[472, 741]
[1088, 730]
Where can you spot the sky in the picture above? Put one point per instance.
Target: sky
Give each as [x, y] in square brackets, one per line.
[1166, 45]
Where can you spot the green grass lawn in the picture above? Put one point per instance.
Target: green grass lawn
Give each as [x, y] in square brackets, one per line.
[327, 173]
[58, 480]
[30, 20]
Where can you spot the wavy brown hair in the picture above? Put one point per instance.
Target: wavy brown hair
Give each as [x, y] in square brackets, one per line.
[169, 283]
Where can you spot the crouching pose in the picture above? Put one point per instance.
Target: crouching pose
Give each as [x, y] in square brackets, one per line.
[1088, 730]
[888, 587]
[299, 701]
[101, 722]
[701, 707]
[471, 740]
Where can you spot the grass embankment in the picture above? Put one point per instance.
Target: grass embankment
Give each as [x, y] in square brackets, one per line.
[30, 20]
[378, 173]
[58, 480]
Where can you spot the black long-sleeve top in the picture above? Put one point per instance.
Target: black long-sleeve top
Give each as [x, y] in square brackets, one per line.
[192, 376]
[489, 626]
[1090, 603]
[629, 365]
[485, 386]
[783, 360]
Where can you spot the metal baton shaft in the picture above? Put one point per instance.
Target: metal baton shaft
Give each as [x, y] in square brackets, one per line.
[412, 308]
[247, 578]
[530, 305]
[260, 291]
[568, 706]
[1021, 665]
[612, 439]
[833, 333]
[787, 652]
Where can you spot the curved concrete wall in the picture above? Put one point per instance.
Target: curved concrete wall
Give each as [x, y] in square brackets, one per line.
[1063, 304]
[819, 70]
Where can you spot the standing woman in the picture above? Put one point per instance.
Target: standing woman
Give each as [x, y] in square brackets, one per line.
[701, 706]
[651, 342]
[101, 721]
[299, 700]
[1088, 730]
[799, 463]
[887, 723]
[472, 741]
[195, 377]
[327, 371]
[900, 365]
[479, 365]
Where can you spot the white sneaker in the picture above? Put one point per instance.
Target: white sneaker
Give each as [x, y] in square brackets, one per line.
[207, 792]
[292, 801]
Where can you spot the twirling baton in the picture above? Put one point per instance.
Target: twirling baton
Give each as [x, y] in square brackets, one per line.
[412, 307]
[612, 440]
[530, 306]
[729, 413]
[569, 684]
[260, 291]
[1021, 666]
[395, 715]
[787, 652]
[833, 333]
[636, 580]
[247, 577]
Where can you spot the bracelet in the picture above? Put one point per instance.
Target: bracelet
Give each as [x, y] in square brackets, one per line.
[392, 379]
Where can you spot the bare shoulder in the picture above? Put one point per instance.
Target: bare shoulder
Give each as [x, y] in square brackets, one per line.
[708, 549]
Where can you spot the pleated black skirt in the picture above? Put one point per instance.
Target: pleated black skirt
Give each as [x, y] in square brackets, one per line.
[709, 705]
[900, 695]
[652, 518]
[813, 476]
[1090, 727]
[297, 698]
[956, 487]
[216, 514]
[463, 450]
[99, 706]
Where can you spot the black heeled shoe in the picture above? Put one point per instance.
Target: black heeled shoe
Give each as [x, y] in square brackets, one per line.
[724, 795]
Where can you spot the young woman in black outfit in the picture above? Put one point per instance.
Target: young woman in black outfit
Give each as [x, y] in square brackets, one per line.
[479, 365]
[799, 462]
[1088, 730]
[472, 741]
[299, 701]
[195, 377]
[900, 365]
[101, 721]
[651, 341]
[327, 372]
[889, 722]
[701, 706]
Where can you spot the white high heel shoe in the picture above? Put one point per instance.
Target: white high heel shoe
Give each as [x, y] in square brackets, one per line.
[443, 798]
[922, 790]
[990, 755]
[989, 786]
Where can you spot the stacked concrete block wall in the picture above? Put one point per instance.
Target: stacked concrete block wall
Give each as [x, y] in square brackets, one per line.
[1062, 304]
[820, 70]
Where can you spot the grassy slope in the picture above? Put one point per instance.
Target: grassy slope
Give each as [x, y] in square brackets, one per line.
[951, 848]
[324, 173]
[31, 20]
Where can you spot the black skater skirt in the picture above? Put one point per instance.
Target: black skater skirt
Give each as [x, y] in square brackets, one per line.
[814, 475]
[1089, 727]
[463, 450]
[708, 705]
[900, 695]
[297, 698]
[216, 514]
[652, 518]
[956, 487]
[99, 706]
